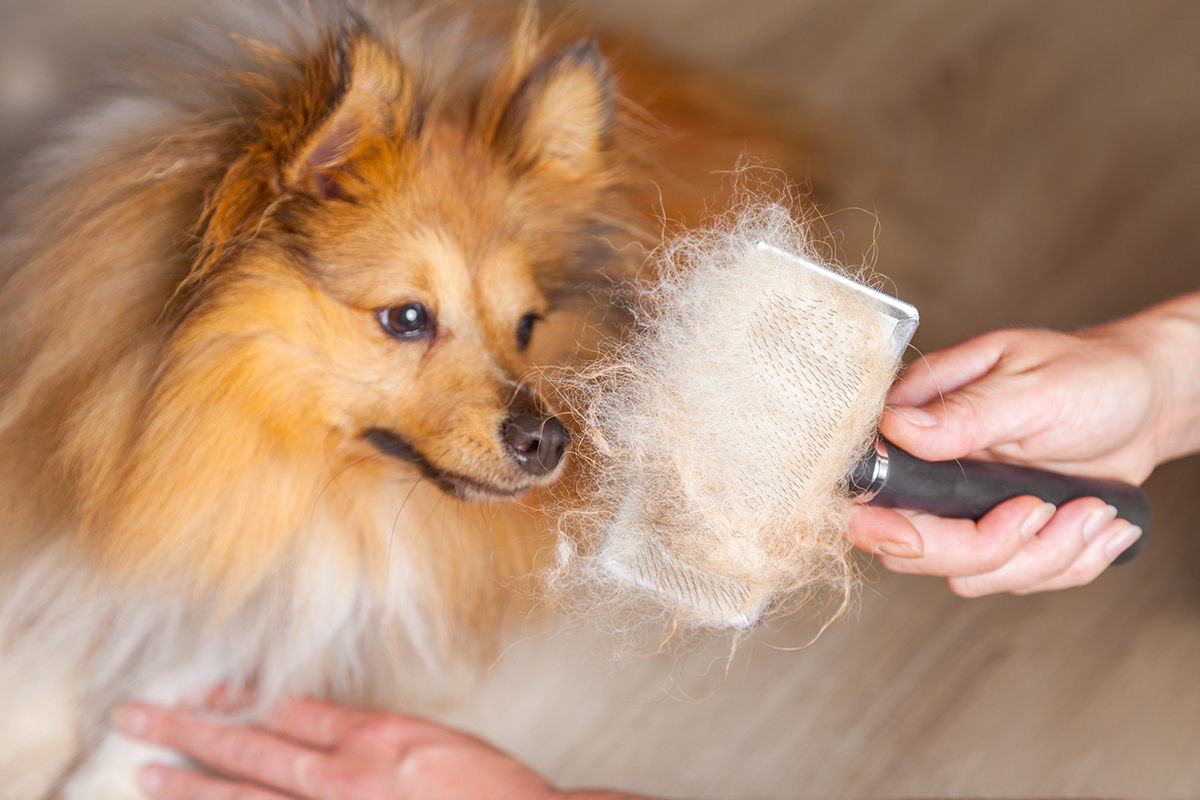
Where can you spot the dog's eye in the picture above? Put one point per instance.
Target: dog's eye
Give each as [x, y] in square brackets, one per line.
[409, 321]
[525, 329]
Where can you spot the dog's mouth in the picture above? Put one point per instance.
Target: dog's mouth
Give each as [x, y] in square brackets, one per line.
[394, 444]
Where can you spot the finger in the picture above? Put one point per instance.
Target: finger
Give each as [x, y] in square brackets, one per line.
[235, 751]
[1112, 541]
[167, 783]
[960, 547]
[326, 725]
[398, 733]
[1051, 553]
[222, 698]
[996, 409]
[882, 531]
[930, 377]
[311, 722]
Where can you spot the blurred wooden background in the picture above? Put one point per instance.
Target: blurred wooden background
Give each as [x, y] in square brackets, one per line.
[1028, 164]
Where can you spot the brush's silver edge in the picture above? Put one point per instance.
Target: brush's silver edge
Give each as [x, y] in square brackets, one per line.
[905, 315]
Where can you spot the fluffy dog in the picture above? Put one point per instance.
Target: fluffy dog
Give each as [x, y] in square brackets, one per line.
[268, 317]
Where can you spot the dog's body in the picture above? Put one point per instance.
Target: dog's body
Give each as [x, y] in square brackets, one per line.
[264, 321]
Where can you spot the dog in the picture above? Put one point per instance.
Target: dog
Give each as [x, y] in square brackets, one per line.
[272, 313]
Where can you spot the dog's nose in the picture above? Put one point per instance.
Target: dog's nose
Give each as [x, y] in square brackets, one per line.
[537, 444]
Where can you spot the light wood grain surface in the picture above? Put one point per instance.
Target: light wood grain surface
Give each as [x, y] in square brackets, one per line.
[1028, 164]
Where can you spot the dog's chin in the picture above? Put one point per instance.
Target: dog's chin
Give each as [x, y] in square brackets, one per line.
[452, 483]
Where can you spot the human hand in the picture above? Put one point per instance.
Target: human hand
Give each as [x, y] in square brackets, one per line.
[319, 751]
[1111, 402]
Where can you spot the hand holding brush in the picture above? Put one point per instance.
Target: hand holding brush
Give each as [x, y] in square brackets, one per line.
[734, 440]
[1112, 401]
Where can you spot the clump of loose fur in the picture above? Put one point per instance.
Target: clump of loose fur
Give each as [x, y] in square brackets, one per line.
[718, 438]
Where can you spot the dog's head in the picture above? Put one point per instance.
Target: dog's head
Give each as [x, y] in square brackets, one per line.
[380, 243]
[406, 249]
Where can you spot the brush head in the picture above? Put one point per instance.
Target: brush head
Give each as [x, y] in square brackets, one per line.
[897, 319]
[724, 431]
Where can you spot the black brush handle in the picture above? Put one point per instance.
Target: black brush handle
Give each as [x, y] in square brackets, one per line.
[968, 489]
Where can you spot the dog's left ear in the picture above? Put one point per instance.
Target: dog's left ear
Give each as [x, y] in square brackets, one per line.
[561, 116]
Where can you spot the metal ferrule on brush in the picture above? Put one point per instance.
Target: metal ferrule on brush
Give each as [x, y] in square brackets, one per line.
[870, 473]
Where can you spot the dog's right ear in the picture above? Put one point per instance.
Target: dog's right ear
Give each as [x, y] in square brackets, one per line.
[354, 95]
[323, 134]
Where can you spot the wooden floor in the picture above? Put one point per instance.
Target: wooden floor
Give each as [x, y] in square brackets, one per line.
[1029, 164]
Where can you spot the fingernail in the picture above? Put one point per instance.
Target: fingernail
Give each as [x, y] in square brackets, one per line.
[134, 721]
[899, 550]
[1097, 521]
[916, 416]
[1120, 542]
[1037, 520]
[151, 780]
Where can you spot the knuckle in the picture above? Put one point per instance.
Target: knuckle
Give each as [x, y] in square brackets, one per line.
[1061, 557]
[160, 728]
[964, 588]
[996, 551]
[1001, 339]
[1081, 574]
[996, 545]
[1074, 575]
[1002, 343]
[1010, 338]
[966, 414]
[965, 405]
[380, 727]
[239, 751]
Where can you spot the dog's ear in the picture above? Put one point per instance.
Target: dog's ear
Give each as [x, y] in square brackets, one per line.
[357, 93]
[319, 133]
[561, 115]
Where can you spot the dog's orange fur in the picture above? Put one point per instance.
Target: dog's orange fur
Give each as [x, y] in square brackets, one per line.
[198, 452]
[190, 348]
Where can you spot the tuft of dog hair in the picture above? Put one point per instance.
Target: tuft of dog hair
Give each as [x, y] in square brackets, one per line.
[717, 438]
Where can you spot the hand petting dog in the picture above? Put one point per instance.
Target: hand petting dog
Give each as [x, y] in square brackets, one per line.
[318, 751]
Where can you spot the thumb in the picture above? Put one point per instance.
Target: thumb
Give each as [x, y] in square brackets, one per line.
[994, 410]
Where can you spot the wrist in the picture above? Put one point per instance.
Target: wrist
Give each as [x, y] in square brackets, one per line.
[1167, 337]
